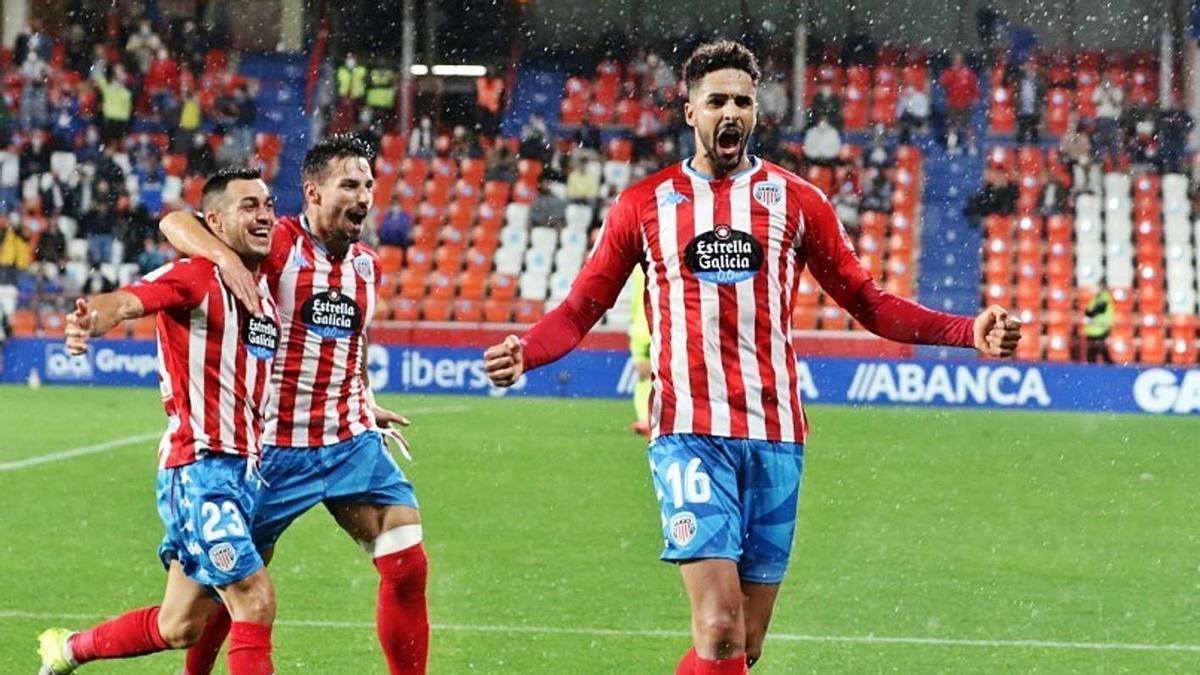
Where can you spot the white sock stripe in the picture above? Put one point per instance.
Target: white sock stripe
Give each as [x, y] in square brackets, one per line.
[395, 539]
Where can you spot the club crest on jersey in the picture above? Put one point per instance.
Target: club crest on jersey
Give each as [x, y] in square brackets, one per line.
[768, 194]
[223, 556]
[331, 314]
[724, 256]
[682, 528]
[365, 267]
[260, 337]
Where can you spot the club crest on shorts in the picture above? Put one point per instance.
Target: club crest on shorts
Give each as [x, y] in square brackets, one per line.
[682, 528]
[223, 556]
[768, 194]
[365, 268]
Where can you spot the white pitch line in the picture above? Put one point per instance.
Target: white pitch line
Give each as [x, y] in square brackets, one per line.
[614, 632]
[129, 440]
[77, 452]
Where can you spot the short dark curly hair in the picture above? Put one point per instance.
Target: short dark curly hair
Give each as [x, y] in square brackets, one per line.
[339, 146]
[719, 55]
[215, 186]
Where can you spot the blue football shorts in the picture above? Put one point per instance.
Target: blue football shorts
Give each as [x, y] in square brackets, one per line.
[728, 498]
[206, 507]
[359, 470]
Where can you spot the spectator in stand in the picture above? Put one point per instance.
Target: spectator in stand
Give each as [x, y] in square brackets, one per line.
[32, 39]
[547, 209]
[822, 143]
[351, 90]
[646, 133]
[110, 170]
[150, 258]
[99, 223]
[1075, 147]
[162, 78]
[16, 250]
[1109, 100]
[395, 228]
[151, 175]
[825, 104]
[464, 144]
[587, 137]
[1055, 199]
[1143, 147]
[489, 98]
[772, 96]
[116, 102]
[1030, 92]
[245, 116]
[962, 93]
[879, 154]
[422, 139]
[878, 194]
[912, 112]
[35, 157]
[6, 119]
[52, 245]
[846, 202]
[501, 164]
[381, 97]
[66, 120]
[35, 101]
[997, 196]
[231, 151]
[1098, 323]
[1174, 125]
[200, 156]
[192, 41]
[535, 140]
[583, 186]
[143, 45]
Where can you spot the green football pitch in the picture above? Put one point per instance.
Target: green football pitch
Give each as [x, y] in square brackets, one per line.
[929, 541]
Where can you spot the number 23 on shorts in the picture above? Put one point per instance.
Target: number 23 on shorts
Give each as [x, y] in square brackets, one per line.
[217, 527]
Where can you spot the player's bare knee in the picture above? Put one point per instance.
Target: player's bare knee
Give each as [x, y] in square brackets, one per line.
[721, 631]
[180, 632]
[252, 599]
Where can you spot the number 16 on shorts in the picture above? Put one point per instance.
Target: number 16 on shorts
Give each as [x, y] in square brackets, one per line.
[694, 514]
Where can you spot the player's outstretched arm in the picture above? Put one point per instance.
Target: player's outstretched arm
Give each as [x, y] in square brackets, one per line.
[504, 363]
[188, 233]
[98, 315]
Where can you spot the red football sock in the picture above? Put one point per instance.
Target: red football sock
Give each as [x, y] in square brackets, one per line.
[202, 656]
[131, 634]
[687, 665]
[250, 648]
[401, 617]
[734, 665]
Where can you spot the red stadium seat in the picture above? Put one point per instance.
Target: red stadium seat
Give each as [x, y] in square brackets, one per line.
[468, 310]
[1001, 113]
[436, 309]
[854, 108]
[472, 284]
[527, 311]
[391, 258]
[497, 311]
[503, 287]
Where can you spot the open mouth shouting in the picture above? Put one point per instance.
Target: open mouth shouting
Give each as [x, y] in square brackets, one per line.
[728, 143]
[259, 234]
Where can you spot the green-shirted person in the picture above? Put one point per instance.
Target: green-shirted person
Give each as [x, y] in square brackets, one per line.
[639, 348]
[1099, 324]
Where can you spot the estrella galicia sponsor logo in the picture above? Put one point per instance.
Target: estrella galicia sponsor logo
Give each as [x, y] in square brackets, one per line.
[673, 199]
[1005, 386]
[724, 256]
[768, 194]
[61, 365]
[261, 337]
[682, 528]
[331, 314]
[223, 556]
[1160, 391]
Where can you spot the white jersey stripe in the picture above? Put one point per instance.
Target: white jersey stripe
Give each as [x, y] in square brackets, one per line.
[710, 320]
[778, 252]
[668, 242]
[197, 356]
[228, 364]
[747, 350]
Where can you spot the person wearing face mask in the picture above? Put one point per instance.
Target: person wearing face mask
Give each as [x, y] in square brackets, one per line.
[722, 238]
[325, 436]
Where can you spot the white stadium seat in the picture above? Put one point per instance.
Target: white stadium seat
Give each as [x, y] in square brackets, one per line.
[537, 260]
[517, 214]
[544, 239]
[533, 285]
[508, 260]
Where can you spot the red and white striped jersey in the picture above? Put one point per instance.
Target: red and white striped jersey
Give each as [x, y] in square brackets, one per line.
[325, 305]
[722, 259]
[214, 361]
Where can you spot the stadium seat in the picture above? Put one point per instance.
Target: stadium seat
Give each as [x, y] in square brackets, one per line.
[527, 311]
[468, 310]
[502, 286]
[1001, 113]
[497, 311]
[412, 284]
[436, 309]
